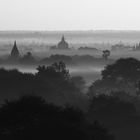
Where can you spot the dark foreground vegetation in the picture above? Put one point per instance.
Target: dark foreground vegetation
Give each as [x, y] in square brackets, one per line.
[51, 104]
[30, 117]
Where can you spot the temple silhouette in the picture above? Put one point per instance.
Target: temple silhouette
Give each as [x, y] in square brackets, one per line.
[63, 44]
[15, 52]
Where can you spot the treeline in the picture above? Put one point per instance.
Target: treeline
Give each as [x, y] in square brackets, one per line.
[52, 82]
[31, 117]
[112, 101]
[28, 59]
[115, 99]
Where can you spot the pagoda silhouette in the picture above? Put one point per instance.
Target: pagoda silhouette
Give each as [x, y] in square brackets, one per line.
[15, 52]
[63, 44]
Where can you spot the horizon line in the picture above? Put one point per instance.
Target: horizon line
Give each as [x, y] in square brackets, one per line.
[90, 30]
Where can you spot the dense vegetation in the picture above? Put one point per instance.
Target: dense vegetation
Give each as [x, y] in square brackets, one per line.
[30, 117]
[51, 103]
[72, 60]
[123, 75]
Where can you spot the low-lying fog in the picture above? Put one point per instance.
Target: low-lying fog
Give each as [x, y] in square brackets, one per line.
[38, 44]
[89, 73]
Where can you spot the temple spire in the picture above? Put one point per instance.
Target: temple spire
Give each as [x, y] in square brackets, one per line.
[63, 38]
[15, 52]
[15, 43]
[63, 44]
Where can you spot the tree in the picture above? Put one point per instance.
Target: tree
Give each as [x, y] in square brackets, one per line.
[123, 75]
[30, 117]
[104, 105]
[28, 59]
[124, 68]
[106, 54]
[56, 82]
[56, 71]
[52, 82]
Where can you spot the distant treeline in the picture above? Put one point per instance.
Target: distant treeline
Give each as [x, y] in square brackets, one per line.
[28, 59]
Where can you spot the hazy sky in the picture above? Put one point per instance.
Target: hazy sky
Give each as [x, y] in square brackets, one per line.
[69, 14]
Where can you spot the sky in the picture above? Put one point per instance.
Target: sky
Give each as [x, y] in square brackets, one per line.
[69, 14]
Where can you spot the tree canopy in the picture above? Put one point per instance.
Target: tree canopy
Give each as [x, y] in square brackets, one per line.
[55, 71]
[125, 68]
[30, 117]
[106, 54]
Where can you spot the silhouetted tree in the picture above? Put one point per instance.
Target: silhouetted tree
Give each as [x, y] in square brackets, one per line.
[30, 117]
[52, 82]
[57, 58]
[104, 105]
[119, 115]
[27, 59]
[106, 54]
[124, 68]
[123, 75]
[54, 71]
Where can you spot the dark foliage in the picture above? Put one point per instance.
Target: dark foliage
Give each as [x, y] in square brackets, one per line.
[27, 59]
[30, 117]
[56, 58]
[55, 71]
[123, 75]
[125, 68]
[104, 105]
[79, 82]
[119, 112]
[13, 81]
[106, 54]
[52, 82]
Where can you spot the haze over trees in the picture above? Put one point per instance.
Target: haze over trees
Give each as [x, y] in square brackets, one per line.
[123, 75]
[52, 82]
[114, 99]
[62, 106]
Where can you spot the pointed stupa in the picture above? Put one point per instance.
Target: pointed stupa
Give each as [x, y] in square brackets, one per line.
[63, 44]
[15, 52]
[63, 39]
